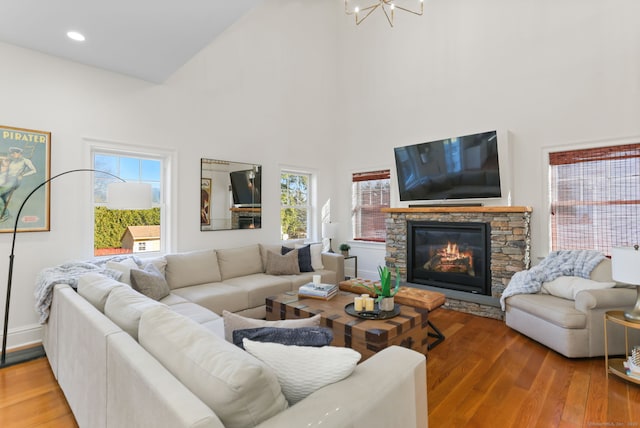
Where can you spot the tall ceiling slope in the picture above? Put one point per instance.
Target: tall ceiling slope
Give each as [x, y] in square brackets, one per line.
[147, 39]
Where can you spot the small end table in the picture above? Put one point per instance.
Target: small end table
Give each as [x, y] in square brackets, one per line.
[355, 265]
[615, 365]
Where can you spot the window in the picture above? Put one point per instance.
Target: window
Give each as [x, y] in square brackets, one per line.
[370, 193]
[595, 198]
[118, 231]
[295, 205]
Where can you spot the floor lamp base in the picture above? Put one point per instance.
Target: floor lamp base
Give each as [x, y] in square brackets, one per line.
[23, 355]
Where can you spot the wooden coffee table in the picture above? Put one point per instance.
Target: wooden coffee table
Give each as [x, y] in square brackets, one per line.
[409, 329]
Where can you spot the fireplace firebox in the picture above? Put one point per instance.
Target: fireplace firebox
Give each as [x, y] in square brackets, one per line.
[455, 256]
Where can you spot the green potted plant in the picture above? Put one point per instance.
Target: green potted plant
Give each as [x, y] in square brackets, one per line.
[384, 291]
[344, 248]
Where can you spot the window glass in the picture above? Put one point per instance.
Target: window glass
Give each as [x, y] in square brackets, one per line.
[294, 205]
[126, 231]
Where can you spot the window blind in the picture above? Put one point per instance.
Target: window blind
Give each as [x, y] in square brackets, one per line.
[370, 193]
[595, 198]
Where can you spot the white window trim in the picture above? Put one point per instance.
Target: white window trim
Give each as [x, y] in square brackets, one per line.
[168, 207]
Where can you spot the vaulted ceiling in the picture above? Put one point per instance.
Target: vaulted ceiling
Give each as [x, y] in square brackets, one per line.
[147, 39]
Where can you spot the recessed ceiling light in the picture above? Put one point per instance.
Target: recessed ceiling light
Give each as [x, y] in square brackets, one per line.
[74, 35]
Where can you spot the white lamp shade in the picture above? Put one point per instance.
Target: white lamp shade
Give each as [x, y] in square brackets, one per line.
[625, 265]
[329, 230]
[128, 196]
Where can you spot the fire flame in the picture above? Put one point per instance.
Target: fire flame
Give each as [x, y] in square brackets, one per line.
[451, 253]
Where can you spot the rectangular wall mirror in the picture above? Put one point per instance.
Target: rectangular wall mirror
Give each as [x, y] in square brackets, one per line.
[230, 195]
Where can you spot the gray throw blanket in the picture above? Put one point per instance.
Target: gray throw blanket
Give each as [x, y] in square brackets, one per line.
[558, 263]
[67, 273]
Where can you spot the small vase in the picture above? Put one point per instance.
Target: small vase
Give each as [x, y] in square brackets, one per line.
[345, 253]
[386, 304]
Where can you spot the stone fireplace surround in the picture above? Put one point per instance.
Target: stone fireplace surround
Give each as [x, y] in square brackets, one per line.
[510, 248]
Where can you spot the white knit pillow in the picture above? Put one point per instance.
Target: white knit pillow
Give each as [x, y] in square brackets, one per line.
[301, 370]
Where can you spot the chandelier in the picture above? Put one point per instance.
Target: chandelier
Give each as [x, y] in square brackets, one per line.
[388, 7]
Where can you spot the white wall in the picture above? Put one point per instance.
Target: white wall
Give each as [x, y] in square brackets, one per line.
[261, 93]
[296, 83]
[548, 73]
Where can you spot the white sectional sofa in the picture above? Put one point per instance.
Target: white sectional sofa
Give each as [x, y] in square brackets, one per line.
[125, 360]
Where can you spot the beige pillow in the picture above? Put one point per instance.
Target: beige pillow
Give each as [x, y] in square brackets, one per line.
[192, 268]
[234, 322]
[282, 264]
[240, 389]
[302, 370]
[567, 287]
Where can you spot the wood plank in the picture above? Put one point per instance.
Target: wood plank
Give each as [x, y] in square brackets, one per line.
[445, 209]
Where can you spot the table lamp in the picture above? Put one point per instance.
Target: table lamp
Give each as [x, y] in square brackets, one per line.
[330, 231]
[625, 267]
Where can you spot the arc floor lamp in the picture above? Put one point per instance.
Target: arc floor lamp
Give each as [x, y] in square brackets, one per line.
[120, 195]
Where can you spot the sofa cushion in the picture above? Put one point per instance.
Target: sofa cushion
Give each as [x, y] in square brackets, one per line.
[216, 296]
[560, 312]
[124, 267]
[286, 264]
[304, 257]
[95, 288]
[259, 286]
[203, 316]
[192, 268]
[234, 322]
[240, 389]
[241, 261]
[567, 287]
[150, 282]
[305, 369]
[264, 250]
[316, 255]
[124, 307]
[303, 336]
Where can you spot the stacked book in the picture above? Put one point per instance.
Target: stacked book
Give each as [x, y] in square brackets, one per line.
[318, 291]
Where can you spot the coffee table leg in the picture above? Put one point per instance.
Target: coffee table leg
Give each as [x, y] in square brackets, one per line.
[437, 335]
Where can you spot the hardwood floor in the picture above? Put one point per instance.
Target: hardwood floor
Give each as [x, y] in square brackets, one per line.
[483, 375]
[486, 375]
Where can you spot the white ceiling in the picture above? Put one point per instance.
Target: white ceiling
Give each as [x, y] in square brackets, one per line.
[147, 39]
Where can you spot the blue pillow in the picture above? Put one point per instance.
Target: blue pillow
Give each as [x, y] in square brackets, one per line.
[302, 336]
[304, 257]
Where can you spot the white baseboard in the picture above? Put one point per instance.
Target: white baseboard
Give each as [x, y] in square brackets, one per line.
[24, 336]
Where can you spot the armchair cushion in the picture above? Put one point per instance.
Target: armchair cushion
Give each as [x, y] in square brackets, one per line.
[567, 287]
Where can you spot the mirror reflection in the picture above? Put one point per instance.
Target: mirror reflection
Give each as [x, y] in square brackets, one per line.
[230, 195]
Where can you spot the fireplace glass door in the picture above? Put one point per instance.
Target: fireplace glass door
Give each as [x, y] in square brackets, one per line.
[449, 255]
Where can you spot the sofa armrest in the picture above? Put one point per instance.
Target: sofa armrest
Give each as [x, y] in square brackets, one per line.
[367, 398]
[334, 262]
[610, 298]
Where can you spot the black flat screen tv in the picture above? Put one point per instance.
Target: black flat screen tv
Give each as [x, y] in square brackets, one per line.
[455, 168]
[245, 187]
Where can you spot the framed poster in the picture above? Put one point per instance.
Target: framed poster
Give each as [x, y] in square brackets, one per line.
[205, 201]
[25, 163]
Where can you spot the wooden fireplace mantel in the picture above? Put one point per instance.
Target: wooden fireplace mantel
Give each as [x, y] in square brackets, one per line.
[458, 209]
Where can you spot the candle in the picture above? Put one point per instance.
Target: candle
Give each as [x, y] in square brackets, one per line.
[357, 304]
[316, 279]
[369, 304]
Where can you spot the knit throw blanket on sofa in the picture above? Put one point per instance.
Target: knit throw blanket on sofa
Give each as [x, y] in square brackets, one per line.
[68, 273]
[558, 263]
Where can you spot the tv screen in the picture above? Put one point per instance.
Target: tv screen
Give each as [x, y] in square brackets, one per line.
[455, 168]
[245, 187]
